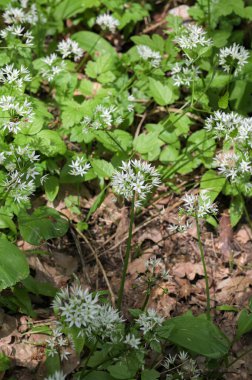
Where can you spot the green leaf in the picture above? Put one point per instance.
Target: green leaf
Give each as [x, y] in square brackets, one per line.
[169, 154]
[101, 375]
[223, 101]
[36, 287]
[13, 265]
[51, 188]
[162, 94]
[196, 334]
[69, 8]
[244, 324]
[6, 222]
[92, 42]
[5, 362]
[127, 367]
[45, 223]
[23, 301]
[102, 168]
[150, 374]
[98, 201]
[213, 183]
[50, 143]
[236, 210]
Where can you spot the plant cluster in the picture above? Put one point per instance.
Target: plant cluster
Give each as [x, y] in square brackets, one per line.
[77, 107]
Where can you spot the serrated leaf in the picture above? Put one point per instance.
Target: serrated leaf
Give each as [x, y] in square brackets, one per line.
[102, 168]
[13, 265]
[49, 143]
[162, 94]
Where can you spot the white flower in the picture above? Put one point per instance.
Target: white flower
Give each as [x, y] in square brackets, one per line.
[147, 54]
[135, 178]
[103, 118]
[192, 37]
[79, 166]
[11, 75]
[233, 165]
[199, 205]
[19, 32]
[54, 67]
[152, 263]
[68, 48]
[58, 375]
[223, 124]
[19, 113]
[81, 309]
[184, 75]
[233, 58]
[22, 15]
[107, 22]
[132, 341]
[149, 320]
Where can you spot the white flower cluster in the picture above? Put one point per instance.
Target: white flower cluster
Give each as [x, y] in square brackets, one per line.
[233, 58]
[14, 76]
[156, 267]
[180, 227]
[79, 166]
[192, 37]
[132, 341]
[103, 118]
[181, 366]
[54, 66]
[149, 320]
[135, 179]
[19, 183]
[233, 166]
[58, 375]
[185, 74]
[18, 31]
[231, 126]
[57, 344]
[79, 308]
[69, 48]
[147, 54]
[199, 205]
[19, 114]
[107, 22]
[21, 15]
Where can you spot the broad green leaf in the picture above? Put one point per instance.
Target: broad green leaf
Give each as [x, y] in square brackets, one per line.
[92, 42]
[69, 8]
[13, 265]
[6, 222]
[169, 154]
[162, 94]
[212, 182]
[37, 287]
[150, 374]
[98, 201]
[50, 143]
[196, 334]
[51, 188]
[244, 324]
[45, 223]
[146, 142]
[5, 362]
[236, 210]
[101, 375]
[23, 301]
[223, 101]
[127, 367]
[102, 168]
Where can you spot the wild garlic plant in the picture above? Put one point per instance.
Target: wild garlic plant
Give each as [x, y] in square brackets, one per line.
[135, 181]
[199, 207]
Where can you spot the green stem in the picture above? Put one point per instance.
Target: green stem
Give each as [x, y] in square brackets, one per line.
[127, 255]
[202, 256]
[209, 13]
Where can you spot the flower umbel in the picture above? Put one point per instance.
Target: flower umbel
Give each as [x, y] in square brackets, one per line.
[199, 205]
[69, 48]
[233, 58]
[135, 179]
[192, 37]
[79, 166]
[147, 54]
[107, 22]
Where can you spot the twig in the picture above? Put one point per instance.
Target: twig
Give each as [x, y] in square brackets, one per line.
[79, 250]
[143, 117]
[100, 266]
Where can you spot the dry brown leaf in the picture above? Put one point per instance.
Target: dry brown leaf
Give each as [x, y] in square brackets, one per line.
[152, 234]
[225, 235]
[45, 272]
[188, 269]
[181, 11]
[123, 225]
[244, 234]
